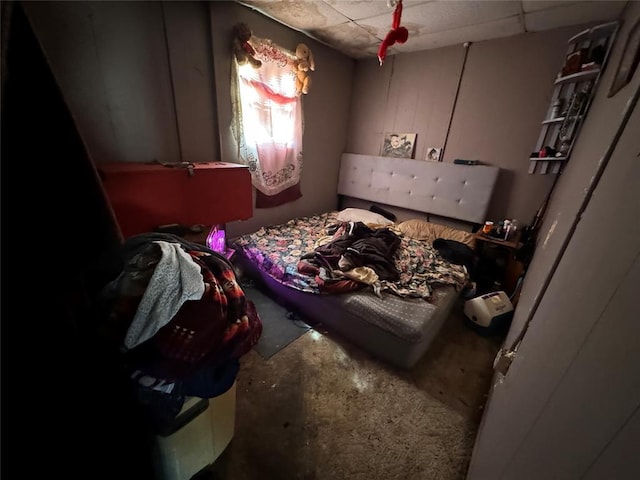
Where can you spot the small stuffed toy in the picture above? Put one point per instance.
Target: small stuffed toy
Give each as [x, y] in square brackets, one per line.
[242, 49]
[303, 64]
[397, 34]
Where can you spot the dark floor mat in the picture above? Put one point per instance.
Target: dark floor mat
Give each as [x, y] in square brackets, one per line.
[279, 326]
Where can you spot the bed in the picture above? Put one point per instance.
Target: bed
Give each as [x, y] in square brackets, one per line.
[393, 317]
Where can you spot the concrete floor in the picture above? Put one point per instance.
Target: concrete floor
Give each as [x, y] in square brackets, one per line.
[324, 409]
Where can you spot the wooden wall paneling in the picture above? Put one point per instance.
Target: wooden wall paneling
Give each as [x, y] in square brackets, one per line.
[501, 102]
[600, 390]
[425, 101]
[191, 66]
[406, 90]
[75, 63]
[445, 67]
[596, 135]
[368, 103]
[588, 285]
[394, 92]
[110, 60]
[131, 45]
[619, 459]
[55, 188]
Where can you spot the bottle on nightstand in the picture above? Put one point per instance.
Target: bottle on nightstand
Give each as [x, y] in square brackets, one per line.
[506, 229]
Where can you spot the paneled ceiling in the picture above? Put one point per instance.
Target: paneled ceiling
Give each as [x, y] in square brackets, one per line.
[356, 28]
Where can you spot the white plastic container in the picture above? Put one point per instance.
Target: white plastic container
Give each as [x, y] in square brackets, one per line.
[489, 311]
[200, 441]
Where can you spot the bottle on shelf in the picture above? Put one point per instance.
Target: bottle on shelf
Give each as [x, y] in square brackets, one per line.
[506, 225]
[513, 228]
[557, 107]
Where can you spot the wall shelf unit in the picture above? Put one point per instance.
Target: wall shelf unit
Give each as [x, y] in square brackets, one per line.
[553, 120]
[578, 77]
[573, 91]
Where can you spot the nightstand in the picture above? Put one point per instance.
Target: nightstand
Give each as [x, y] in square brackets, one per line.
[501, 253]
[511, 244]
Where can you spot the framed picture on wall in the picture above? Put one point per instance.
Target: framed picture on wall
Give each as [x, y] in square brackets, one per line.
[433, 154]
[628, 62]
[400, 145]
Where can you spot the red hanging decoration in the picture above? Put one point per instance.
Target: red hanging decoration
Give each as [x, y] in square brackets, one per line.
[397, 34]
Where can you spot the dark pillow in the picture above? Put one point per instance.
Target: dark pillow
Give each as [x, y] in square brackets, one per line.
[383, 212]
[455, 252]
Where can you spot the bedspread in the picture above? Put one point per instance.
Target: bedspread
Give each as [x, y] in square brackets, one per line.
[277, 250]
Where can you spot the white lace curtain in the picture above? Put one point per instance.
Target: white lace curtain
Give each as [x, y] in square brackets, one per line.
[267, 122]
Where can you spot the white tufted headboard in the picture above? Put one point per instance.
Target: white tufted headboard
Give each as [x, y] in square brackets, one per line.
[446, 189]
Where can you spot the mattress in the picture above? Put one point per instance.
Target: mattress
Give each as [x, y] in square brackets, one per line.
[396, 324]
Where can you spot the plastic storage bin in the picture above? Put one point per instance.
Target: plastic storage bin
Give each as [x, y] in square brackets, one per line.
[199, 434]
[491, 312]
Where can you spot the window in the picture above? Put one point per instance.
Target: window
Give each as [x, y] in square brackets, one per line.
[267, 123]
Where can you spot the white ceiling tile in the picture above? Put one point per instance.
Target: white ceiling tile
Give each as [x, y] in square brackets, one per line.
[356, 27]
[438, 16]
[443, 15]
[346, 36]
[535, 5]
[575, 14]
[358, 10]
[473, 33]
[299, 15]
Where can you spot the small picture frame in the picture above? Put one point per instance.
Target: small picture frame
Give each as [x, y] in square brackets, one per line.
[433, 154]
[399, 145]
[628, 62]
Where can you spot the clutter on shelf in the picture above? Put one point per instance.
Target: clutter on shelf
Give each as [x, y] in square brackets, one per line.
[574, 88]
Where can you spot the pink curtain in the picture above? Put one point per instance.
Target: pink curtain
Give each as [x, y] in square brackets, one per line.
[267, 123]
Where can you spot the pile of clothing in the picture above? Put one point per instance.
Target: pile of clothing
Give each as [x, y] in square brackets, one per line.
[355, 257]
[180, 320]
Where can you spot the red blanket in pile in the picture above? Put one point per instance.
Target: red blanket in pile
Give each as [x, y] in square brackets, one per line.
[220, 326]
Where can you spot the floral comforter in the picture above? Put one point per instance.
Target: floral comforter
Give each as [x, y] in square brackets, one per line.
[277, 249]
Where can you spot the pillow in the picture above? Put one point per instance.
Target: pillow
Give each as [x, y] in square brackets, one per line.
[427, 231]
[383, 212]
[364, 216]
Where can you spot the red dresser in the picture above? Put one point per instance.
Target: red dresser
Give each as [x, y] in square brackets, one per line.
[144, 196]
